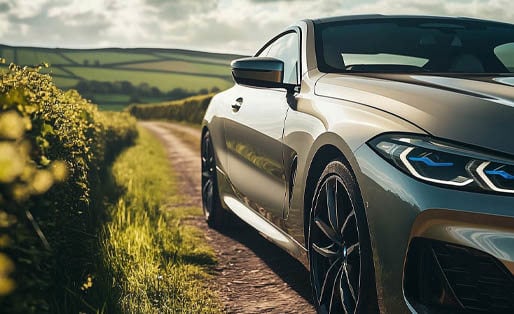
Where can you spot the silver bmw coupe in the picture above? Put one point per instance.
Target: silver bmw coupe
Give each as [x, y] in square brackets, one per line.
[377, 150]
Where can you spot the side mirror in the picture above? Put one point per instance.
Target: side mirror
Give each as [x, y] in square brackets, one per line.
[259, 72]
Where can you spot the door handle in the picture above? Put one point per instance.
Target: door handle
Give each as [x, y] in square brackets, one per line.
[237, 104]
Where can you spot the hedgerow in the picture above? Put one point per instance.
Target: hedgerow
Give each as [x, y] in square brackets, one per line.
[190, 109]
[55, 148]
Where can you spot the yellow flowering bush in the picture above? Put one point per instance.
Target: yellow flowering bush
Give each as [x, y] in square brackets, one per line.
[55, 147]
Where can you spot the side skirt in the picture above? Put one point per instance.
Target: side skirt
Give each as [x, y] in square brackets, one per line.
[268, 230]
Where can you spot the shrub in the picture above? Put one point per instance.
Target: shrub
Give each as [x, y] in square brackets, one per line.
[190, 109]
[55, 147]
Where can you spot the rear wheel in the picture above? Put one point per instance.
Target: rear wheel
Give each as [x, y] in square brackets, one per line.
[339, 246]
[214, 213]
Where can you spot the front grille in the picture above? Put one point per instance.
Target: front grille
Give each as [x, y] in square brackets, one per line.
[478, 280]
[459, 278]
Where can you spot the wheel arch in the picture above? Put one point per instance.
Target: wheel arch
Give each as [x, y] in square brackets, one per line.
[322, 155]
[327, 147]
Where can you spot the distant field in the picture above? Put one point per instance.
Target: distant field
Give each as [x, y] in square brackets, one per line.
[55, 71]
[65, 82]
[107, 57]
[111, 98]
[162, 69]
[183, 66]
[29, 57]
[186, 57]
[162, 80]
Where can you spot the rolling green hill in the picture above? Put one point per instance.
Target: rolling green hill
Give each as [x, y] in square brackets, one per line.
[116, 77]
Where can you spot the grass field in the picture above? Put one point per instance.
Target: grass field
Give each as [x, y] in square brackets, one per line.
[155, 263]
[30, 57]
[165, 69]
[162, 80]
[184, 66]
[111, 98]
[186, 57]
[107, 57]
[55, 72]
[65, 82]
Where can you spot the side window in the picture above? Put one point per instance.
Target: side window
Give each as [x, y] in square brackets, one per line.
[287, 49]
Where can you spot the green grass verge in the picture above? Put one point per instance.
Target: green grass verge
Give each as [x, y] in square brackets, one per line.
[156, 262]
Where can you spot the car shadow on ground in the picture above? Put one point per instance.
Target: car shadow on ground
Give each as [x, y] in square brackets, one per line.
[284, 265]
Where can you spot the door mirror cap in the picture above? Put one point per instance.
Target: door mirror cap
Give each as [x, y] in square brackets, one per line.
[260, 72]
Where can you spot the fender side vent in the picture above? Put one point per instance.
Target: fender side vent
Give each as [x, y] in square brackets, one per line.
[290, 187]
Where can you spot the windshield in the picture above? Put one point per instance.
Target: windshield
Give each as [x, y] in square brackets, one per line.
[405, 45]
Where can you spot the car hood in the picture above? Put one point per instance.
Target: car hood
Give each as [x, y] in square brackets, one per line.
[473, 110]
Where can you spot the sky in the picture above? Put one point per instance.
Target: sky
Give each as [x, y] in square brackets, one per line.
[235, 26]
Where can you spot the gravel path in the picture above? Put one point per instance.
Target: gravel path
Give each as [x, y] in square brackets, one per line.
[252, 275]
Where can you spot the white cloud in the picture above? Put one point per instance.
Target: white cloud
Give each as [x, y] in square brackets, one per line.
[219, 25]
[243, 26]
[488, 9]
[26, 8]
[130, 21]
[76, 8]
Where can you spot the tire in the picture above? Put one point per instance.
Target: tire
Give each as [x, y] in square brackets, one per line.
[340, 256]
[214, 214]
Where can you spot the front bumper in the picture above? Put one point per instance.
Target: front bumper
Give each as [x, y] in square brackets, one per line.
[400, 210]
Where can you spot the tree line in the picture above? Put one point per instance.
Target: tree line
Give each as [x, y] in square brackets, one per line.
[93, 87]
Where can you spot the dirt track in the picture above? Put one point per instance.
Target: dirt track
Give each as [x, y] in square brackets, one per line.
[252, 275]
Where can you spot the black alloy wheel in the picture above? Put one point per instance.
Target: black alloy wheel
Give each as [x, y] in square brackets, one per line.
[214, 213]
[339, 247]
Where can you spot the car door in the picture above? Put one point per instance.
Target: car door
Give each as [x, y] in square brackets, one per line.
[254, 133]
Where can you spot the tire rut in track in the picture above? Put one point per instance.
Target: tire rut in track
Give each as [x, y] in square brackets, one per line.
[252, 275]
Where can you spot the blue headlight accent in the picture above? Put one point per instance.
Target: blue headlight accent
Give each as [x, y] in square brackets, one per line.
[501, 173]
[447, 164]
[429, 162]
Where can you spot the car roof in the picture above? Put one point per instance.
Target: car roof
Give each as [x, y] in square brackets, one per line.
[364, 17]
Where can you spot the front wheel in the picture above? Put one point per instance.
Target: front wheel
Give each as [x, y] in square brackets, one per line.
[214, 213]
[342, 275]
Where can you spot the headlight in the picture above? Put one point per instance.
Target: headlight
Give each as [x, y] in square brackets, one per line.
[446, 164]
